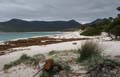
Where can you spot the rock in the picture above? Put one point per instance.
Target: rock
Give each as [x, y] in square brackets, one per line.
[107, 38]
[74, 43]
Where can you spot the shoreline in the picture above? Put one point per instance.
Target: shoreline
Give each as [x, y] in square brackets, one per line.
[57, 33]
[40, 40]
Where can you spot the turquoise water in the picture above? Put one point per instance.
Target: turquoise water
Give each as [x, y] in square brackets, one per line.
[13, 35]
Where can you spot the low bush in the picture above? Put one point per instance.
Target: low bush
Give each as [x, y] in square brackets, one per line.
[91, 32]
[7, 66]
[64, 65]
[52, 52]
[25, 59]
[89, 50]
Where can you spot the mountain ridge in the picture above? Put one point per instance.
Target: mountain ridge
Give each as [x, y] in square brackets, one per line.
[18, 25]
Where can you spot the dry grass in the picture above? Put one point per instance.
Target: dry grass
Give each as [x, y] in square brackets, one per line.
[88, 50]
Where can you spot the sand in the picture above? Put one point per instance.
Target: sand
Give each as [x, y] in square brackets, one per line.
[110, 48]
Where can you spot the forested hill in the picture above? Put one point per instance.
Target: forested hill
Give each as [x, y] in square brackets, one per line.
[18, 25]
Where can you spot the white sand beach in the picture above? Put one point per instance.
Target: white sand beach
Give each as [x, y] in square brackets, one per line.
[110, 48]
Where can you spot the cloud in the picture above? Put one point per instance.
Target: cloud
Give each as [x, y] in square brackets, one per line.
[81, 10]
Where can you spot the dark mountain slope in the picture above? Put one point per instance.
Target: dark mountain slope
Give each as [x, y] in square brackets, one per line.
[17, 25]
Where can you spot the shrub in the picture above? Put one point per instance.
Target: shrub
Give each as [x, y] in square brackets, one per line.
[37, 58]
[91, 31]
[88, 50]
[63, 64]
[93, 61]
[44, 74]
[7, 66]
[116, 31]
[52, 52]
[25, 59]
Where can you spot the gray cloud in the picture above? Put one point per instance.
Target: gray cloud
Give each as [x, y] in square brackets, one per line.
[81, 10]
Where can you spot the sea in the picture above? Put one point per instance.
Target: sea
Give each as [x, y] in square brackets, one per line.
[19, 35]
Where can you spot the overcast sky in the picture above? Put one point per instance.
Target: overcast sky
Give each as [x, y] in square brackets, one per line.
[80, 10]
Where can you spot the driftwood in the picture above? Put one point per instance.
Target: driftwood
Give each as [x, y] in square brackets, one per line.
[37, 73]
[108, 68]
[77, 74]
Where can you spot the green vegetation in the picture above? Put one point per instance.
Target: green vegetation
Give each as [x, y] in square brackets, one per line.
[91, 31]
[118, 8]
[116, 31]
[93, 61]
[44, 74]
[88, 50]
[25, 59]
[64, 65]
[90, 56]
[96, 27]
[52, 52]
[109, 25]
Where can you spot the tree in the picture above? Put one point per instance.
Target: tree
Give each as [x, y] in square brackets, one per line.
[92, 31]
[118, 8]
[115, 31]
[110, 19]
